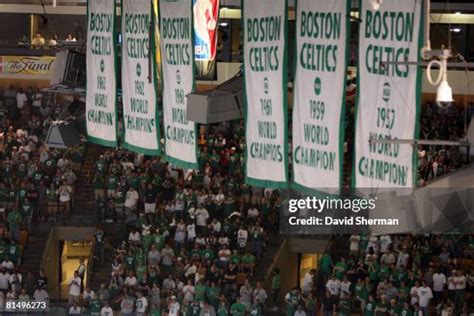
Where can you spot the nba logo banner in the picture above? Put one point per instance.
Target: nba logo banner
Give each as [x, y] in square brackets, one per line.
[206, 15]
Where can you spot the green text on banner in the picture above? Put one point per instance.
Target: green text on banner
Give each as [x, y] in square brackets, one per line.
[101, 100]
[388, 94]
[140, 108]
[176, 41]
[264, 25]
[319, 93]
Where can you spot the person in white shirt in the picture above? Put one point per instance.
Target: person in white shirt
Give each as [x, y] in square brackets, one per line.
[130, 280]
[345, 287]
[242, 237]
[439, 282]
[260, 294]
[75, 309]
[106, 310]
[385, 242]
[191, 233]
[21, 99]
[300, 311]
[141, 304]
[333, 285]
[460, 282]
[403, 257]
[252, 212]
[173, 307]
[308, 281]
[40, 295]
[188, 291]
[8, 264]
[74, 288]
[131, 199]
[202, 215]
[88, 294]
[425, 294]
[354, 245]
[374, 244]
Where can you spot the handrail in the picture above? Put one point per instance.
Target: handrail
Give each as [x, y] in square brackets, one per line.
[90, 264]
[45, 253]
[271, 267]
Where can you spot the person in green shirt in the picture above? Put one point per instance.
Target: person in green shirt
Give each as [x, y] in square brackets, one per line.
[361, 291]
[237, 309]
[381, 308]
[95, 307]
[99, 187]
[13, 251]
[130, 261]
[213, 294]
[370, 307]
[248, 262]
[403, 293]
[235, 258]
[276, 287]
[405, 310]
[200, 290]
[344, 305]
[292, 300]
[208, 253]
[394, 308]
[112, 184]
[223, 309]
[326, 266]
[14, 219]
[340, 269]
[256, 309]
[141, 272]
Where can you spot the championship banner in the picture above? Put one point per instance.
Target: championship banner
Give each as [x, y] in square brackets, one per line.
[27, 65]
[388, 94]
[176, 41]
[264, 32]
[141, 132]
[101, 100]
[206, 15]
[319, 93]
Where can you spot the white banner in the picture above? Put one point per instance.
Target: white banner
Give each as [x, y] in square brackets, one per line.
[176, 40]
[388, 94]
[140, 108]
[101, 101]
[264, 38]
[319, 93]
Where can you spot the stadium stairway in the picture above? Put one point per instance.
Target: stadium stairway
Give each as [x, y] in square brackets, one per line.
[84, 211]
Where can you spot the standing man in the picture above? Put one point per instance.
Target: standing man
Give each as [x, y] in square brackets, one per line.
[74, 288]
[81, 272]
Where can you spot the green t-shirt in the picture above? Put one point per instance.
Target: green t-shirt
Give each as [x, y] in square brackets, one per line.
[237, 309]
[200, 292]
[112, 182]
[222, 311]
[13, 252]
[256, 310]
[208, 254]
[130, 262]
[26, 210]
[235, 259]
[325, 262]
[141, 270]
[361, 291]
[95, 307]
[405, 312]
[382, 305]
[344, 306]
[140, 257]
[14, 219]
[276, 282]
[370, 309]
[248, 259]
[340, 270]
[155, 312]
